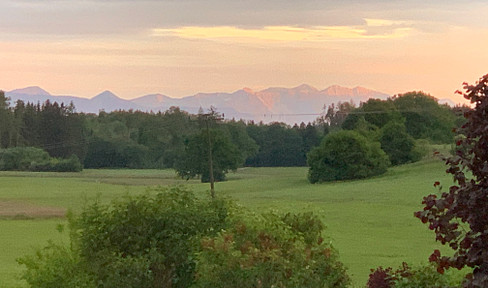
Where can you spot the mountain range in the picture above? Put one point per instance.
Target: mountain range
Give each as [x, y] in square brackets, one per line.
[290, 105]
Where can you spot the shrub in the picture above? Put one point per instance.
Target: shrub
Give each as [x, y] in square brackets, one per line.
[270, 251]
[71, 164]
[20, 158]
[407, 277]
[175, 239]
[56, 266]
[398, 144]
[346, 155]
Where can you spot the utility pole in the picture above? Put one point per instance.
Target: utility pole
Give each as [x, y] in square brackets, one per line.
[210, 161]
[211, 116]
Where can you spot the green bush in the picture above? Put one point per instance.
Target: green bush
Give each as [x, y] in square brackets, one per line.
[346, 155]
[36, 160]
[158, 231]
[71, 164]
[56, 266]
[407, 277]
[270, 251]
[20, 158]
[398, 144]
[172, 238]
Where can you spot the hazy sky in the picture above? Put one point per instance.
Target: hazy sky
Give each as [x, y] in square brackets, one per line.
[181, 47]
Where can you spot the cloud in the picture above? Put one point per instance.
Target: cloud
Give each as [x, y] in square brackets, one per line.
[372, 29]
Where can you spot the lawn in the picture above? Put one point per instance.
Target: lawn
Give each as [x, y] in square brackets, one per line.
[369, 221]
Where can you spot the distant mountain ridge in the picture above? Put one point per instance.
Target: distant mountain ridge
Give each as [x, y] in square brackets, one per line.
[290, 105]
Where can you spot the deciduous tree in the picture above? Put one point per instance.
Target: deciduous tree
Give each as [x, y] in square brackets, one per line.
[459, 217]
[346, 155]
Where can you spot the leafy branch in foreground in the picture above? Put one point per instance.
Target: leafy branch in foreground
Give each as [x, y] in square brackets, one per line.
[459, 217]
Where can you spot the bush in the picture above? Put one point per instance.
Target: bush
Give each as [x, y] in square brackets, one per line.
[398, 144]
[36, 160]
[346, 155]
[154, 231]
[174, 239]
[406, 277]
[71, 164]
[56, 266]
[270, 251]
[20, 158]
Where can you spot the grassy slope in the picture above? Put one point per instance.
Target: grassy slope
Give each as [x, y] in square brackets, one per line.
[370, 222]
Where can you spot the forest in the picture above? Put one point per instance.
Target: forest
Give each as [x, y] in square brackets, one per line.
[171, 139]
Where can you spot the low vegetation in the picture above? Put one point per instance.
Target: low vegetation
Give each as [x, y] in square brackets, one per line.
[36, 160]
[173, 239]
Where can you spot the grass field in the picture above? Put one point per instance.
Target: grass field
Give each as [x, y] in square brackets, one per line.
[369, 221]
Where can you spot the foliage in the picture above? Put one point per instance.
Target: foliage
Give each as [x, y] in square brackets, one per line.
[172, 238]
[6, 120]
[270, 251]
[375, 111]
[154, 232]
[35, 159]
[458, 217]
[104, 153]
[239, 137]
[195, 161]
[141, 241]
[398, 145]
[20, 158]
[346, 155]
[56, 266]
[334, 115]
[279, 146]
[407, 277]
[425, 118]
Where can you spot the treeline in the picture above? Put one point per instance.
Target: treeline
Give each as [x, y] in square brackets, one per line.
[135, 139]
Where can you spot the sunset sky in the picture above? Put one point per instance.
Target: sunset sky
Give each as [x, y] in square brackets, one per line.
[181, 47]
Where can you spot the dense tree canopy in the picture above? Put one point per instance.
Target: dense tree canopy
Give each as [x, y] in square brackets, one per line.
[425, 118]
[346, 155]
[195, 159]
[375, 111]
[397, 144]
[281, 146]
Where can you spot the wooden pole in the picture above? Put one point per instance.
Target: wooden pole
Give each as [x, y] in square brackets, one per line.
[210, 161]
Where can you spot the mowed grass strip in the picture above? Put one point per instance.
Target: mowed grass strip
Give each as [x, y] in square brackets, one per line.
[369, 221]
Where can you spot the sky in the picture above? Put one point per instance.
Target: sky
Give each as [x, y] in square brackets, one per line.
[182, 47]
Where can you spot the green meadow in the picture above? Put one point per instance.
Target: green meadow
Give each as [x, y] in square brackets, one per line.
[369, 221]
